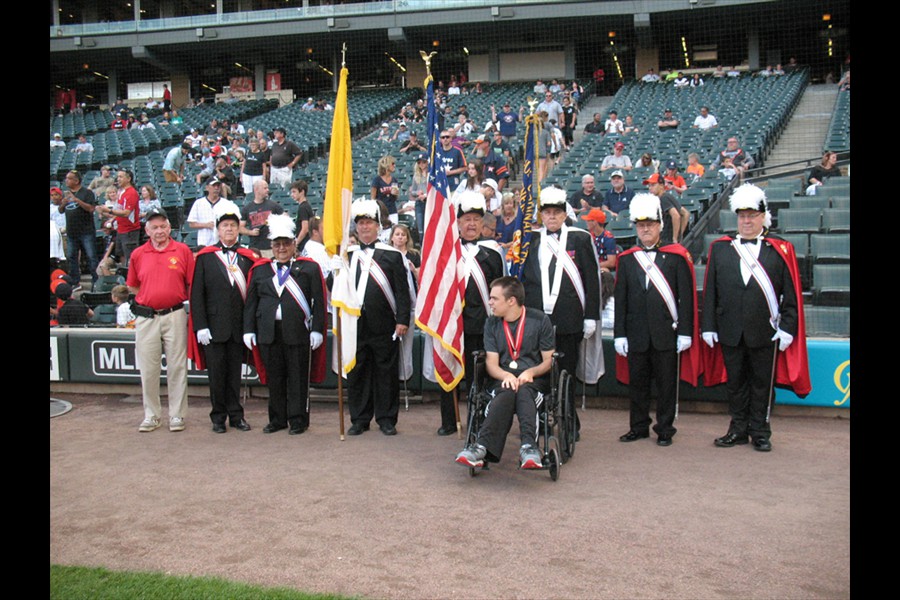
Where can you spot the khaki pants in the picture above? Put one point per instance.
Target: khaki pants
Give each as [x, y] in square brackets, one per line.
[166, 333]
[171, 176]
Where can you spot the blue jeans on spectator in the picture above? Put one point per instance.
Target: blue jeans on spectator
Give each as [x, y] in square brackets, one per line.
[420, 219]
[88, 243]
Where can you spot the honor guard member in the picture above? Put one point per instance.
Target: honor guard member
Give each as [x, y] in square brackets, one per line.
[519, 346]
[379, 273]
[218, 294]
[570, 295]
[285, 316]
[753, 320]
[656, 320]
[482, 263]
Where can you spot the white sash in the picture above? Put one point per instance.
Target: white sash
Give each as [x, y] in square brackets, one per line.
[362, 260]
[235, 275]
[550, 248]
[762, 278]
[295, 292]
[660, 282]
[472, 267]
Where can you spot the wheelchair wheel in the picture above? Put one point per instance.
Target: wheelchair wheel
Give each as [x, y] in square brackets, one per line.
[554, 464]
[566, 400]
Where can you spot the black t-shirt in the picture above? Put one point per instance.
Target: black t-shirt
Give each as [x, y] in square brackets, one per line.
[820, 173]
[78, 220]
[253, 163]
[666, 202]
[568, 111]
[304, 213]
[73, 312]
[283, 154]
[538, 337]
[255, 216]
[593, 199]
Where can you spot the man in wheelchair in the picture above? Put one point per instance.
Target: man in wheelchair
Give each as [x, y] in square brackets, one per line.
[519, 346]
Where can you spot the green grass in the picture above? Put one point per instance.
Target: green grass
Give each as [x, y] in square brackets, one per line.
[75, 583]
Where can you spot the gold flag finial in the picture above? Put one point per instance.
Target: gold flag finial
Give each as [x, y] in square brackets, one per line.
[427, 58]
[532, 102]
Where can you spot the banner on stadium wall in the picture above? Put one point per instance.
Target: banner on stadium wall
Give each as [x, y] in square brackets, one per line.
[241, 84]
[54, 359]
[273, 82]
[829, 372]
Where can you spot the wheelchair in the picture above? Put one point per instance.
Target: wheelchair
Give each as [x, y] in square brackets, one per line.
[555, 435]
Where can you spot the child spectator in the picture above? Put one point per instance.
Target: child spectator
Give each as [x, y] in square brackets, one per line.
[124, 317]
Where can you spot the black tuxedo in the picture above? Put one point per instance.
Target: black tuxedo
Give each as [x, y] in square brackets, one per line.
[475, 313]
[739, 314]
[217, 305]
[284, 343]
[643, 318]
[373, 386]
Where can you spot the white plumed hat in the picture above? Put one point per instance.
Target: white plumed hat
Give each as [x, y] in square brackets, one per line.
[645, 207]
[469, 201]
[553, 196]
[280, 226]
[226, 209]
[750, 197]
[364, 207]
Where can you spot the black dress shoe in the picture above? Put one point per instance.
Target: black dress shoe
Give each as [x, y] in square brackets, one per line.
[664, 441]
[730, 439]
[388, 429]
[357, 429]
[634, 435]
[296, 429]
[273, 427]
[242, 425]
[218, 427]
[762, 444]
[447, 430]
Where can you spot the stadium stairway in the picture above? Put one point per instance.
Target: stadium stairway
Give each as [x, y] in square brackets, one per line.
[805, 134]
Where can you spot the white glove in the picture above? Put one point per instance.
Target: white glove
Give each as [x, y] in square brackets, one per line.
[590, 326]
[621, 345]
[683, 343]
[204, 336]
[711, 338]
[315, 339]
[784, 339]
[250, 340]
[337, 262]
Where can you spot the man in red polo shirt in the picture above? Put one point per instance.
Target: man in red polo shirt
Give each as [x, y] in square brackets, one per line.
[160, 277]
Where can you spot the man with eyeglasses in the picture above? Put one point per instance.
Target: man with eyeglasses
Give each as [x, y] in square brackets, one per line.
[452, 157]
[554, 109]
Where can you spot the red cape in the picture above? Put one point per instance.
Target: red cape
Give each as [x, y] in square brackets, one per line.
[195, 349]
[792, 365]
[692, 359]
[317, 368]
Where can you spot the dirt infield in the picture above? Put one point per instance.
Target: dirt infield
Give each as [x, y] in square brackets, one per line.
[395, 518]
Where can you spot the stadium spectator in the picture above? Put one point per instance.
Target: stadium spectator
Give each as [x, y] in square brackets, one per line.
[630, 126]
[176, 118]
[173, 166]
[544, 142]
[619, 196]
[704, 120]
[78, 204]
[494, 164]
[696, 80]
[668, 121]
[779, 71]
[402, 133]
[160, 277]
[681, 81]
[489, 226]
[452, 157]
[127, 213]
[254, 216]
[463, 126]
[254, 165]
[767, 72]
[83, 145]
[167, 97]
[569, 122]
[385, 188]
[675, 216]
[604, 240]
[505, 226]
[412, 144]
[844, 83]
[596, 125]
[694, 167]
[551, 107]
[120, 122]
[194, 138]
[99, 184]
[733, 72]
[820, 173]
[146, 203]
[418, 189]
[613, 126]
[309, 105]
[124, 317]
[588, 197]
[474, 177]
[305, 212]
[741, 161]
[718, 72]
[72, 311]
[315, 249]
[540, 87]
[213, 129]
[507, 120]
[646, 161]
[285, 155]
[617, 160]
[674, 181]
[57, 142]
[650, 76]
[202, 214]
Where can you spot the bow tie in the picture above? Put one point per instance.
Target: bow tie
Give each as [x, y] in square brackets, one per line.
[363, 246]
[470, 243]
[553, 234]
[651, 248]
[746, 241]
[284, 265]
[229, 248]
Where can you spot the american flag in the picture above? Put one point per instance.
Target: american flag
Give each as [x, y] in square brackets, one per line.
[442, 286]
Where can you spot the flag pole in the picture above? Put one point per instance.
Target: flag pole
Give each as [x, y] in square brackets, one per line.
[340, 375]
